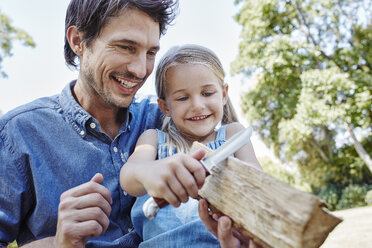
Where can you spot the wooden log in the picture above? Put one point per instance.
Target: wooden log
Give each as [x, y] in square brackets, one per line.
[263, 208]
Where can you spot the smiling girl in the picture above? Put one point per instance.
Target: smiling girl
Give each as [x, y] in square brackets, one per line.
[194, 98]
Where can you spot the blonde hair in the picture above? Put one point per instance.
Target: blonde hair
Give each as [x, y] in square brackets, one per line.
[188, 54]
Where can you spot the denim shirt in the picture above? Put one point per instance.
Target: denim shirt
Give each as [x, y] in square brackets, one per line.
[51, 145]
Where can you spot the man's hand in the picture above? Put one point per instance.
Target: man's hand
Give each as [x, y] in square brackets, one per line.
[83, 213]
[223, 230]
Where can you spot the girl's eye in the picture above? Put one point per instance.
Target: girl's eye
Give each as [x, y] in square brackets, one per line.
[208, 93]
[183, 98]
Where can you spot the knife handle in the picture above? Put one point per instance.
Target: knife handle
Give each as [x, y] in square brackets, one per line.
[153, 204]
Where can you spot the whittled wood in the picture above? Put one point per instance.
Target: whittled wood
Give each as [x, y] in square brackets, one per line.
[269, 211]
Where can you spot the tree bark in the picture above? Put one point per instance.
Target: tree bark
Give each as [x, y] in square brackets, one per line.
[359, 148]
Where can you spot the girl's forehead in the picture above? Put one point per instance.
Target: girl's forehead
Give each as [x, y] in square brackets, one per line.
[185, 77]
[190, 71]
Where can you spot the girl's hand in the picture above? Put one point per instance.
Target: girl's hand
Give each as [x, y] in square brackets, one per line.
[174, 178]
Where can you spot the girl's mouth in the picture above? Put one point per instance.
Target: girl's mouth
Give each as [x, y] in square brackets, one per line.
[198, 118]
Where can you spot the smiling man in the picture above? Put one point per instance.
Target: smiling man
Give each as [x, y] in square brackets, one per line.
[52, 149]
[60, 156]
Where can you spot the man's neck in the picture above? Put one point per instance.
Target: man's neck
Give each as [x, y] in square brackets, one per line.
[110, 121]
[109, 117]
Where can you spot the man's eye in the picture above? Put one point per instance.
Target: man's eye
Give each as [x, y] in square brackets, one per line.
[151, 53]
[128, 48]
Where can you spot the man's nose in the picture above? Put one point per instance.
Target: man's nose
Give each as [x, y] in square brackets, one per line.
[138, 66]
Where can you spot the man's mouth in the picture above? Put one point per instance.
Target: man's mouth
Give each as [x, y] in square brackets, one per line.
[125, 83]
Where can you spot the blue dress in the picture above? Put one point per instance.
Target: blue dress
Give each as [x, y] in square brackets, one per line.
[174, 227]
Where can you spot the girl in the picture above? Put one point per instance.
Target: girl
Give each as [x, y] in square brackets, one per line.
[193, 96]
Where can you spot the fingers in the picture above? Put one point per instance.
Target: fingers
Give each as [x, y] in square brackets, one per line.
[198, 170]
[225, 234]
[199, 154]
[83, 212]
[175, 178]
[222, 228]
[90, 200]
[87, 222]
[192, 174]
[185, 175]
[93, 186]
[98, 178]
[209, 223]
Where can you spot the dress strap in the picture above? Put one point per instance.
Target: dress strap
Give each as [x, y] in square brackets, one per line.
[221, 133]
[161, 137]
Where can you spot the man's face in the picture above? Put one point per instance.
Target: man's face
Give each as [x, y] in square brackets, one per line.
[120, 59]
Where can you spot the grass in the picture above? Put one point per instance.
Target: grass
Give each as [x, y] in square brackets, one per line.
[13, 245]
[353, 231]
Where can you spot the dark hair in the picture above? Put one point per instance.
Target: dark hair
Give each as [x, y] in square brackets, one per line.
[91, 16]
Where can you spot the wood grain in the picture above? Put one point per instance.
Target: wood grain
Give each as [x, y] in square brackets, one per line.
[269, 211]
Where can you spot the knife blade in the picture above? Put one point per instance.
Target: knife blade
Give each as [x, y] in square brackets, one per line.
[153, 204]
[228, 148]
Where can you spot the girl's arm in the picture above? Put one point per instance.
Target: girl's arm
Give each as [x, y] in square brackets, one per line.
[144, 152]
[173, 178]
[246, 153]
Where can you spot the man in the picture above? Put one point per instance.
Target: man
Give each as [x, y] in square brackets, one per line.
[52, 149]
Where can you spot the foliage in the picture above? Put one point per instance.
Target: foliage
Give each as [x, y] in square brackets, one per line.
[353, 196]
[9, 34]
[368, 198]
[13, 245]
[340, 197]
[311, 64]
[284, 174]
[331, 195]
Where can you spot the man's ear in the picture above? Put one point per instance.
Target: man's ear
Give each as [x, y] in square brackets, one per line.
[225, 91]
[163, 106]
[75, 38]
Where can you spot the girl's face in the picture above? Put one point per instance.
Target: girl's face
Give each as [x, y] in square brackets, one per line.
[194, 100]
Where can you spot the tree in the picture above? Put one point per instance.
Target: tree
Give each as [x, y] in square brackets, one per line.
[311, 61]
[9, 34]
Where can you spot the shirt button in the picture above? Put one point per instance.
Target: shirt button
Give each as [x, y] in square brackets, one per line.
[115, 149]
[93, 125]
[82, 132]
[125, 193]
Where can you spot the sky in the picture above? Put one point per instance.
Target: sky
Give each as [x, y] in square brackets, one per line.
[41, 71]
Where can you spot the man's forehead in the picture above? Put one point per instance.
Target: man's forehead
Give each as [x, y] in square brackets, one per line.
[133, 26]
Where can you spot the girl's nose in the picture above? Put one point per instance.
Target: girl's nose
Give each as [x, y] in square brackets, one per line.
[197, 104]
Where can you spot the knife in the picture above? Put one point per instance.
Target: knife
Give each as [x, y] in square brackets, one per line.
[153, 204]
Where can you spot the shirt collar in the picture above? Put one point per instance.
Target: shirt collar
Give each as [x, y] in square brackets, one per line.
[78, 116]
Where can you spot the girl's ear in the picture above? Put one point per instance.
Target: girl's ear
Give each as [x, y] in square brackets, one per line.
[225, 91]
[74, 38]
[163, 106]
